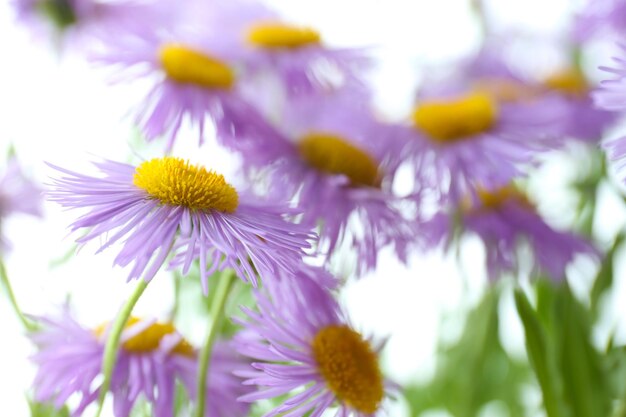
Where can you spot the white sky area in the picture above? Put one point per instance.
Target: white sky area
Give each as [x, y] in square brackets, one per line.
[55, 108]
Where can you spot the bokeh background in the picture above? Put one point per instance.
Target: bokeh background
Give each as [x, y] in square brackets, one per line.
[54, 107]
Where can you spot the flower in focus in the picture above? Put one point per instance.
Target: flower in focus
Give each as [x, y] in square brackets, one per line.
[17, 195]
[168, 205]
[332, 157]
[308, 345]
[502, 219]
[152, 360]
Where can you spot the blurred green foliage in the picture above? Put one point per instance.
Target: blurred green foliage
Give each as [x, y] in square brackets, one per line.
[475, 371]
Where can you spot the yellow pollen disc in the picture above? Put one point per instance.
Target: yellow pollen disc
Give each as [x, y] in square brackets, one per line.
[189, 66]
[569, 81]
[452, 120]
[333, 155]
[282, 36]
[505, 90]
[175, 182]
[350, 367]
[494, 199]
[150, 339]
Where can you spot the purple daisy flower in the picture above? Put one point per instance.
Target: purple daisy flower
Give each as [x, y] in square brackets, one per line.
[502, 219]
[612, 93]
[17, 195]
[582, 119]
[268, 46]
[309, 345]
[152, 360]
[330, 155]
[193, 76]
[485, 138]
[568, 90]
[77, 21]
[167, 205]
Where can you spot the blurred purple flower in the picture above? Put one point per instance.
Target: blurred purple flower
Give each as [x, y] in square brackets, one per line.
[76, 22]
[167, 205]
[152, 360]
[479, 139]
[333, 158]
[17, 195]
[268, 46]
[600, 17]
[503, 219]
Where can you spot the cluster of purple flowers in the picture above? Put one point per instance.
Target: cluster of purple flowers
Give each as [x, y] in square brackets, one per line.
[323, 169]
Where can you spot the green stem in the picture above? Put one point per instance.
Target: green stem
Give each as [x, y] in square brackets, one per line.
[113, 342]
[217, 314]
[4, 277]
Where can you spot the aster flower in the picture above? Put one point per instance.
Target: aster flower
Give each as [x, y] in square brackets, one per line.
[502, 219]
[460, 140]
[295, 55]
[309, 346]
[153, 359]
[17, 195]
[193, 76]
[331, 156]
[566, 89]
[168, 205]
[77, 21]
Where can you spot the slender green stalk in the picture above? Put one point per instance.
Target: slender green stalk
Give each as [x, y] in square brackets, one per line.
[4, 277]
[217, 314]
[113, 342]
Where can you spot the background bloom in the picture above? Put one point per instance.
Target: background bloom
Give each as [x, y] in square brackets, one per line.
[153, 358]
[332, 157]
[502, 219]
[18, 194]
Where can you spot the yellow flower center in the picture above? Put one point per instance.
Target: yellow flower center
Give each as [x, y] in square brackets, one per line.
[505, 90]
[494, 199]
[175, 182]
[281, 36]
[333, 155]
[451, 120]
[569, 81]
[350, 367]
[150, 338]
[189, 66]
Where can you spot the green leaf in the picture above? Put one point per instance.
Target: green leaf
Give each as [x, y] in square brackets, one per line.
[604, 278]
[46, 410]
[539, 354]
[474, 371]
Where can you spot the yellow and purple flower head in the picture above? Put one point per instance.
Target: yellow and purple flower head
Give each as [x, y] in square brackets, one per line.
[330, 155]
[502, 219]
[153, 360]
[307, 351]
[462, 137]
[272, 48]
[79, 22]
[167, 205]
